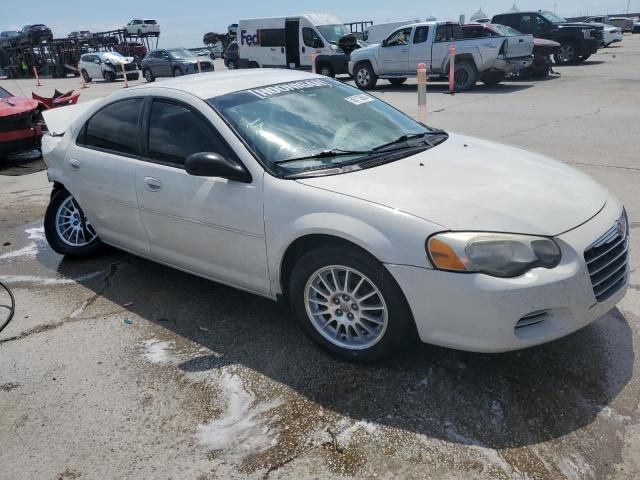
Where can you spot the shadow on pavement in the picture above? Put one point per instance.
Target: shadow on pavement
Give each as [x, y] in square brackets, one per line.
[500, 401]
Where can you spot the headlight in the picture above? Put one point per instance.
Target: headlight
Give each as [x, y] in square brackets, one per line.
[495, 254]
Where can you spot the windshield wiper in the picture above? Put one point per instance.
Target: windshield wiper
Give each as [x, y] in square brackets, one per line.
[336, 152]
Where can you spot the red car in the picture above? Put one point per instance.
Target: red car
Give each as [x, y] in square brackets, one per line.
[21, 123]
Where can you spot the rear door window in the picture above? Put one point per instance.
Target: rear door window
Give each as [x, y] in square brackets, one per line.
[420, 35]
[176, 132]
[114, 128]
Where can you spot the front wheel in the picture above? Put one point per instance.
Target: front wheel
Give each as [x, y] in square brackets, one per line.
[109, 76]
[364, 76]
[231, 65]
[349, 304]
[85, 76]
[148, 75]
[584, 58]
[177, 72]
[67, 229]
[326, 70]
[567, 53]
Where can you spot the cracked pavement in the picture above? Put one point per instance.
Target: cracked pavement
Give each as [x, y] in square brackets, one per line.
[116, 367]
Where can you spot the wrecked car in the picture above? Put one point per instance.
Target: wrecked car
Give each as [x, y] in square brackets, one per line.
[21, 123]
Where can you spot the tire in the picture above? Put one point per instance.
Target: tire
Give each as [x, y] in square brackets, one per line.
[584, 58]
[375, 339]
[85, 75]
[364, 76]
[397, 81]
[55, 223]
[109, 76]
[253, 65]
[326, 69]
[148, 75]
[177, 72]
[465, 76]
[492, 77]
[231, 65]
[567, 54]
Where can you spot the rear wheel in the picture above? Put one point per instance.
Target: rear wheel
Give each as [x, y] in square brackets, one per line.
[397, 81]
[148, 75]
[465, 75]
[349, 304]
[177, 72]
[85, 76]
[326, 69]
[67, 229]
[109, 76]
[567, 53]
[364, 76]
[492, 77]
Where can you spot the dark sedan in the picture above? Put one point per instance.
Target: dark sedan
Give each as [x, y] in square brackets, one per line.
[34, 34]
[173, 62]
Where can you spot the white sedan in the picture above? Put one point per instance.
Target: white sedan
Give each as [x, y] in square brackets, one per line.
[371, 226]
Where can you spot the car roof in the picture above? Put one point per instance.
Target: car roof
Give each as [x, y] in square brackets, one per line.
[215, 84]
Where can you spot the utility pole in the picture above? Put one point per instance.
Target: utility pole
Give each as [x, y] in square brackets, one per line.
[555, 7]
[628, 5]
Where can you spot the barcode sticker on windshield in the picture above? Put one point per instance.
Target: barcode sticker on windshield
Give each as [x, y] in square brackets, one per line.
[359, 99]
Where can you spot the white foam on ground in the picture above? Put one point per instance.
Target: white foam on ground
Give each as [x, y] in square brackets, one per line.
[30, 250]
[243, 429]
[157, 351]
[34, 280]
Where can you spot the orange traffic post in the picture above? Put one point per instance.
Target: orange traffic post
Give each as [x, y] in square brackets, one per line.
[452, 69]
[313, 62]
[83, 84]
[199, 68]
[35, 74]
[124, 75]
[422, 93]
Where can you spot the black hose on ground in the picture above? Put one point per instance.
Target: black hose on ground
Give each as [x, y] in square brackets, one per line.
[11, 308]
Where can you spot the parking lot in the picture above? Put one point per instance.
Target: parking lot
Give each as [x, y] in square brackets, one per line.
[117, 367]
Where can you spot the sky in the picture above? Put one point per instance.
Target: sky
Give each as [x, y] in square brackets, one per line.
[184, 22]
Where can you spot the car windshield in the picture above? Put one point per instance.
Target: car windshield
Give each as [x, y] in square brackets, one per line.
[180, 53]
[552, 17]
[316, 124]
[505, 31]
[332, 33]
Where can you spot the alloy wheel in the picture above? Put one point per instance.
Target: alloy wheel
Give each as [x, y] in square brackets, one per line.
[69, 226]
[346, 307]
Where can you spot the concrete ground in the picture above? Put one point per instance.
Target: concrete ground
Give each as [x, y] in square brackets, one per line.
[116, 367]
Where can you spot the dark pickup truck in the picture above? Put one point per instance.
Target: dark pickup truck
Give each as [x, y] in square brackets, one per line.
[578, 41]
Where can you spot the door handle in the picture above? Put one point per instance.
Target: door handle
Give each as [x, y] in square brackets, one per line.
[152, 184]
[303, 50]
[273, 49]
[282, 50]
[521, 40]
[75, 164]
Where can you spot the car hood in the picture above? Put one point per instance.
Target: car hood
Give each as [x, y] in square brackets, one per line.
[16, 106]
[471, 184]
[117, 59]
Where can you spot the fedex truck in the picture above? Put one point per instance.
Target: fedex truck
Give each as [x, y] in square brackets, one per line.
[292, 42]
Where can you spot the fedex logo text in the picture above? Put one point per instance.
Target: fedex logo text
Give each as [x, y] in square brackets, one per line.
[248, 39]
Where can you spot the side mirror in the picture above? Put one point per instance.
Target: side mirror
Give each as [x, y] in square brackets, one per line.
[208, 164]
[384, 42]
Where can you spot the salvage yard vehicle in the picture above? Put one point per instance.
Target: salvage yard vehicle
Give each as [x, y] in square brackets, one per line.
[80, 35]
[488, 59]
[107, 65]
[611, 33]
[34, 34]
[21, 123]
[578, 41]
[370, 225]
[9, 38]
[290, 42]
[173, 62]
[142, 27]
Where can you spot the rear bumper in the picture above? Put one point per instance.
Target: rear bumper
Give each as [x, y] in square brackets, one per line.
[480, 313]
[17, 140]
[514, 64]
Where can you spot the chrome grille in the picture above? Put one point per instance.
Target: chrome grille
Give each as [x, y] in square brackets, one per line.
[608, 260]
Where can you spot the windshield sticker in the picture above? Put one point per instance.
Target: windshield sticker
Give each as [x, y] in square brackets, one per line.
[288, 87]
[359, 99]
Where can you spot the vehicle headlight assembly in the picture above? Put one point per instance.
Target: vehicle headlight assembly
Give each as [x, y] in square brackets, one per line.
[496, 254]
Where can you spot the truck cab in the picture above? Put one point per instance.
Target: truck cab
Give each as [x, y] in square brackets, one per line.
[578, 41]
[292, 42]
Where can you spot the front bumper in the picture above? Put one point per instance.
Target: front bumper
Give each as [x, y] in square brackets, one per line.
[479, 313]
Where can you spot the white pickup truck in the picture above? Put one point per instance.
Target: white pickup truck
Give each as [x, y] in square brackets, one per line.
[398, 56]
